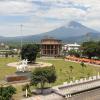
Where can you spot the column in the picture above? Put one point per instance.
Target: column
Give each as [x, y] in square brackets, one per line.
[41, 49]
[46, 49]
[54, 50]
[50, 50]
[58, 50]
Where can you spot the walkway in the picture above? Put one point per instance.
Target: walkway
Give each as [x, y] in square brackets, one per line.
[72, 90]
[89, 95]
[46, 97]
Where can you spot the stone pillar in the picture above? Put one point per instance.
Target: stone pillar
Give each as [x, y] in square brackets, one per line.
[54, 50]
[42, 50]
[58, 50]
[50, 51]
[46, 51]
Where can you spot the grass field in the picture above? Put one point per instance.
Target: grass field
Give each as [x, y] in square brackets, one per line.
[62, 70]
[4, 69]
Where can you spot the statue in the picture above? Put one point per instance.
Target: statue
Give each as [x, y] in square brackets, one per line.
[23, 66]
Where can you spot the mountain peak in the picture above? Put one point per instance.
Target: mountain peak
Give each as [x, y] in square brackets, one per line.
[73, 24]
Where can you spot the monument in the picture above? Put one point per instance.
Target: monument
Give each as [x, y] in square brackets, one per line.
[23, 72]
[20, 75]
[23, 66]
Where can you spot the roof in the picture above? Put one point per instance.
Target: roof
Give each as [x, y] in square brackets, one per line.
[50, 41]
[73, 45]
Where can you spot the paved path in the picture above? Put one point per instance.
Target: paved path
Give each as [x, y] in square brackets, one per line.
[90, 95]
[37, 64]
[71, 89]
[46, 97]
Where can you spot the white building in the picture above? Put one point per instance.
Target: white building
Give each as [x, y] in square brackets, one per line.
[69, 47]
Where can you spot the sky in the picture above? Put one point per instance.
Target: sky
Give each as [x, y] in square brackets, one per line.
[29, 17]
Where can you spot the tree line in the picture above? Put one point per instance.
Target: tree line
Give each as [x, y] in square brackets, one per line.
[90, 49]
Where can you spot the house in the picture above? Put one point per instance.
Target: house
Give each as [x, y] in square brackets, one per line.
[50, 47]
[68, 47]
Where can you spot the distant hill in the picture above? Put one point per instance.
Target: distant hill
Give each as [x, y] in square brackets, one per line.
[71, 32]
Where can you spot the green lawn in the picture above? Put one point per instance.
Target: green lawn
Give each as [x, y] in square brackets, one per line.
[4, 69]
[63, 70]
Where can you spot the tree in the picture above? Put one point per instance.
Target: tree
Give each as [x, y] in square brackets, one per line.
[70, 73]
[6, 93]
[6, 54]
[82, 64]
[91, 49]
[73, 52]
[26, 88]
[43, 75]
[98, 49]
[71, 68]
[29, 52]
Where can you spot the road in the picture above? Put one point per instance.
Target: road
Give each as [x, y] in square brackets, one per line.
[90, 95]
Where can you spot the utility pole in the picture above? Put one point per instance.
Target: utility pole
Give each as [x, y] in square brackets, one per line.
[21, 41]
[21, 26]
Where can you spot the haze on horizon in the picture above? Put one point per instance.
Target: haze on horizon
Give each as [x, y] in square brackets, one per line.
[39, 16]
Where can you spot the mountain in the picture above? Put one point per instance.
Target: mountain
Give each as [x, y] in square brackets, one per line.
[69, 30]
[72, 32]
[82, 38]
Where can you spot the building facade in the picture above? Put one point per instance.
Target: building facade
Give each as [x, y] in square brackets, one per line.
[50, 47]
[69, 47]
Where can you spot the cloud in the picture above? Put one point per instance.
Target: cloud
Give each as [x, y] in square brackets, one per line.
[45, 15]
[62, 13]
[10, 7]
[30, 27]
